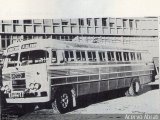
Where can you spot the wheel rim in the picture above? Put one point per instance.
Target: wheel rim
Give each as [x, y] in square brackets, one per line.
[64, 100]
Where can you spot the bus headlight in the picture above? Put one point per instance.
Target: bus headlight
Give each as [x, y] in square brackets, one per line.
[37, 86]
[31, 86]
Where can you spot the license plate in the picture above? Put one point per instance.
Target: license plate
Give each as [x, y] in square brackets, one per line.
[17, 94]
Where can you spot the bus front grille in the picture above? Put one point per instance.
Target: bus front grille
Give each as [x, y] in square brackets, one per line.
[18, 84]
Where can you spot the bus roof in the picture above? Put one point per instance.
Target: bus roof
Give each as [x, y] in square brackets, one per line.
[58, 44]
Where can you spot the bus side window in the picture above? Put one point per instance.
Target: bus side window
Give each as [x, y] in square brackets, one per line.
[92, 56]
[69, 55]
[80, 56]
[139, 57]
[118, 56]
[126, 56]
[102, 56]
[54, 57]
[83, 56]
[110, 55]
[132, 56]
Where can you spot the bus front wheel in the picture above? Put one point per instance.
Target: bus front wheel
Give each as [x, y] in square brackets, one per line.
[64, 101]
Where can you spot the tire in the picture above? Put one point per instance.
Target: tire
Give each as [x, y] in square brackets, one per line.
[64, 101]
[134, 88]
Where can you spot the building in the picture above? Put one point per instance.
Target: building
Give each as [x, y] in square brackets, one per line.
[136, 31]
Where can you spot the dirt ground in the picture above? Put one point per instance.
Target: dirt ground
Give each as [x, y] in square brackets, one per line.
[145, 103]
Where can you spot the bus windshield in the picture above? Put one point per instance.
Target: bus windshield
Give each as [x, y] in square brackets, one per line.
[33, 57]
[12, 60]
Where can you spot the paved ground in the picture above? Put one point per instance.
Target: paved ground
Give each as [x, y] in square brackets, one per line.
[108, 103]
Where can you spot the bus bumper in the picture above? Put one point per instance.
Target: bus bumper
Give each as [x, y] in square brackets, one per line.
[27, 100]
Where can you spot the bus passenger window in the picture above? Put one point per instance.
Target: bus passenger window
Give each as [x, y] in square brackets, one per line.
[126, 56]
[132, 56]
[83, 56]
[118, 56]
[110, 55]
[139, 57]
[80, 55]
[54, 57]
[69, 56]
[102, 56]
[92, 56]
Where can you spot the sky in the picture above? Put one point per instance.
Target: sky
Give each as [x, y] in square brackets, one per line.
[23, 9]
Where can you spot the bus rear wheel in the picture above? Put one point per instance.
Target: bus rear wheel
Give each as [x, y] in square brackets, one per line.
[134, 88]
[63, 101]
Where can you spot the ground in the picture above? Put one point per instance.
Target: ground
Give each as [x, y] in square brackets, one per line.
[147, 102]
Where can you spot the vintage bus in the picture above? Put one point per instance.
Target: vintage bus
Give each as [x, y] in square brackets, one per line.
[58, 72]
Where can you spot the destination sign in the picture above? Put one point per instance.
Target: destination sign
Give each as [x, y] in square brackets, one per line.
[27, 46]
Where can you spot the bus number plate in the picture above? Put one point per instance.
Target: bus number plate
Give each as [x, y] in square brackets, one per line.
[17, 94]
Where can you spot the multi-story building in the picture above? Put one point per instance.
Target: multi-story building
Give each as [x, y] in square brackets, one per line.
[139, 31]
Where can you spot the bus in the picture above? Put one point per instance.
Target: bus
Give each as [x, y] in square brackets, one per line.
[57, 72]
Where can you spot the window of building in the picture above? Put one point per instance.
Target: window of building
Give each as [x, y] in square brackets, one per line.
[118, 56]
[124, 23]
[16, 21]
[3, 28]
[110, 55]
[81, 22]
[69, 56]
[80, 56]
[111, 24]
[139, 57]
[92, 56]
[132, 56]
[96, 22]
[126, 56]
[64, 23]
[27, 21]
[104, 21]
[89, 22]
[3, 44]
[137, 22]
[8, 42]
[131, 24]
[102, 56]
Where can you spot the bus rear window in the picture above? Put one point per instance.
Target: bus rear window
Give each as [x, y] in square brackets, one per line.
[12, 60]
[33, 57]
